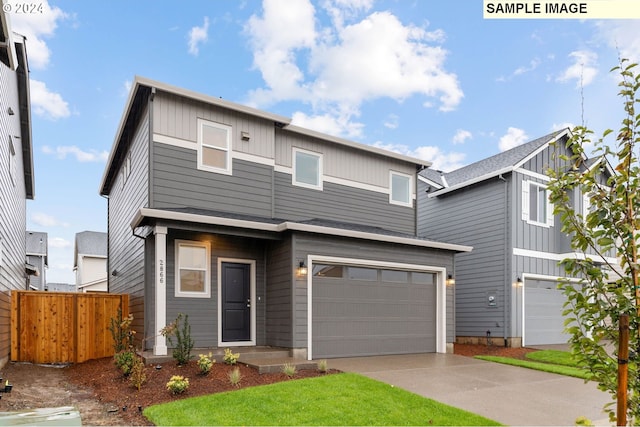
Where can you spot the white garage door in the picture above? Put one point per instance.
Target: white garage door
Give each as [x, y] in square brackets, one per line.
[360, 311]
[543, 321]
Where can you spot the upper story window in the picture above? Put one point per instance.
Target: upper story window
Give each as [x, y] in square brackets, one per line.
[536, 208]
[400, 189]
[192, 269]
[307, 169]
[214, 147]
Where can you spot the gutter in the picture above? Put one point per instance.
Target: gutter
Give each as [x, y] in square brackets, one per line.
[472, 181]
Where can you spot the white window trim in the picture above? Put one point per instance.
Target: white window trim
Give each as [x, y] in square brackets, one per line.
[526, 185]
[201, 165]
[294, 178]
[397, 202]
[207, 271]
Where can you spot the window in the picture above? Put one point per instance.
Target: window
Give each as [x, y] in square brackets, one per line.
[214, 147]
[362, 273]
[400, 189]
[395, 276]
[307, 169]
[423, 278]
[13, 167]
[324, 270]
[192, 269]
[536, 208]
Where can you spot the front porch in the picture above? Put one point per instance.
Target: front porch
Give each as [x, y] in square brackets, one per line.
[264, 359]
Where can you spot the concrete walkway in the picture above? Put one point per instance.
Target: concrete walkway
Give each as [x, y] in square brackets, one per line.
[507, 394]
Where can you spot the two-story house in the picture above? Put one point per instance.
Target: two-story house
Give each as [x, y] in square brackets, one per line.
[37, 248]
[268, 234]
[90, 261]
[16, 172]
[506, 288]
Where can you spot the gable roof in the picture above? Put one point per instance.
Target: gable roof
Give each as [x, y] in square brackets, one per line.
[36, 244]
[92, 243]
[501, 163]
[143, 89]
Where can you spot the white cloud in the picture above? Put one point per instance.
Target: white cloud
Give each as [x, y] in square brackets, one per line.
[82, 156]
[59, 242]
[533, 64]
[329, 124]
[513, 138]
[623, 36]
[440, 160]
[338, 67]
[392, 121]
[46, 103]
[36, 27]
[461, 136]
[197, 36]
[583, 70]
[45, 220]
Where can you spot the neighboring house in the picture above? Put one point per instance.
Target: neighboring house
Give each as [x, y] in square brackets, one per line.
[90, 261]
[265, 233]
[506, 288]
[37, 258]
[61, 287]
[16, 172]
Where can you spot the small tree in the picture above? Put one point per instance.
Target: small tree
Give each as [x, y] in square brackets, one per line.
[609, 229]
[184, 343]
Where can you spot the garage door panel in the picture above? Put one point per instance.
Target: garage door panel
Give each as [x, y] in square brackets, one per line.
[544, 323]
[367, 317]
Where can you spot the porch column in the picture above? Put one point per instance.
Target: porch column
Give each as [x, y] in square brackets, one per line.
[160, 342]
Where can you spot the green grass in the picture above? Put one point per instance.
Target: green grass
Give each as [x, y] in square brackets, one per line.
[549, 361]
[339, 399]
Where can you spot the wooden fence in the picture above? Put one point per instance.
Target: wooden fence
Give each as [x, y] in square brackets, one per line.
[63, 327]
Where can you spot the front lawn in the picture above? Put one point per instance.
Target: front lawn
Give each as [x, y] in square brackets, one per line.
[554, 361]
[340, 399]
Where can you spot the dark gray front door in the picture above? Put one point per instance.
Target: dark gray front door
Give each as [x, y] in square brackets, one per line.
[236, 302]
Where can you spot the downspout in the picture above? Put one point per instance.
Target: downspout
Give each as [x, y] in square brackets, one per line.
[505, 319]
[108, 246]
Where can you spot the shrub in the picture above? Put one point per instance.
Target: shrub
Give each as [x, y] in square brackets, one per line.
[235, 376]
[229, 357]
[322, 365]
[184, 342]
[121, 332]
[289, 370]
[138, 372]
[205, 363]
[124, 361]
[178, 384]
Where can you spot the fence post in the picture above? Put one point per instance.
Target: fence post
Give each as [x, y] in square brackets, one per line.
[623, 370]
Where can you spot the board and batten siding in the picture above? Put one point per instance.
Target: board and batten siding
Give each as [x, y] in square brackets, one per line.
[474, 216]
[177, 182]
[126, 251]
[13, 206]
[308, 244]
[177, 117]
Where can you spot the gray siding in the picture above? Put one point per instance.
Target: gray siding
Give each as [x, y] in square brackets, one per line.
[126, 251]
[340, 203]
[178, 183]
[203, 312]
[475, 216]
[279, 314]
[12, 207]
[305, 244]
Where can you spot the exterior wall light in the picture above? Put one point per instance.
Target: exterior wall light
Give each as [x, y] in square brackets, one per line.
[450, 280]
[301, 271]
[245, 136]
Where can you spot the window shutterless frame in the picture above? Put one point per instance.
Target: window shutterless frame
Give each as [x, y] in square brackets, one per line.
[214, 147]
[400, 185]
[307, 169]
[192, 269]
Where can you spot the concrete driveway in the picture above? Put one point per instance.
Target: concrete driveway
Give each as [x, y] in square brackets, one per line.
[508, 394]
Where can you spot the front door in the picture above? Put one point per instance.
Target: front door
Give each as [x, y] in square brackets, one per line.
[236, 302]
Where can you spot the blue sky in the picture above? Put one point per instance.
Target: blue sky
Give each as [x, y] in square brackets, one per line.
[427, 78]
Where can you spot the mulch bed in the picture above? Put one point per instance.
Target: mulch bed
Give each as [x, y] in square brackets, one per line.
[111, 388]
